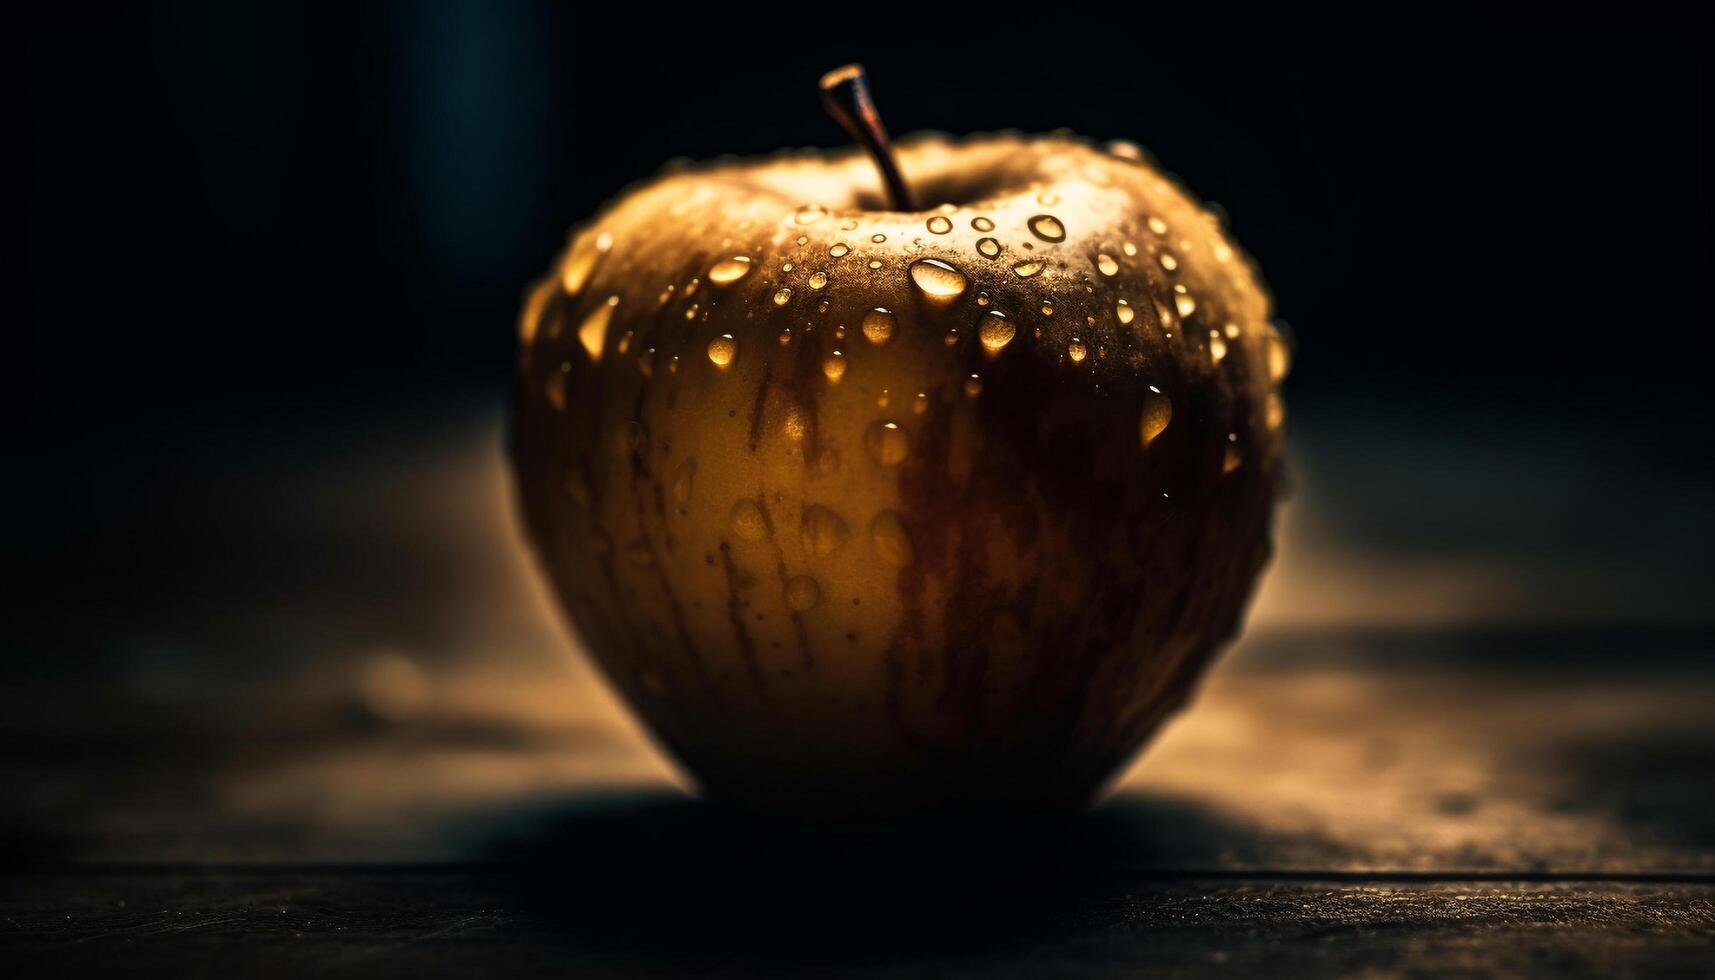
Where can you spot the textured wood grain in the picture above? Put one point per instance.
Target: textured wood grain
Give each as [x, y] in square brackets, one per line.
[284, 922]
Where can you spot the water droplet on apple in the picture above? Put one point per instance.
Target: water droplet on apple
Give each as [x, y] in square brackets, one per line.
[783, 295]
[937, 280]
[1168, 262]
[822, 531]
[878, 326]
[818, 280]
[1077, 351]
[748, 521]
[582, 260]
[839, 251]
[593, 333]
[1184, 302]
[940, 225]
[555, 388]
[1217, 346]
[802, 593]
[1232, 459]
[1157, 225]
[1125, 150]
[1278, 355]
[982, 224]
[988, 247]
[1106, 265]
[887, 442]
[920, 403]
[1024, 270]
[1047, 227]
[973, 386]
[995, 331]
[722, 350]
[729, 270]
[834, 366]
[892, 540]
[1157, 412]
[878, 238]
[1123, 312]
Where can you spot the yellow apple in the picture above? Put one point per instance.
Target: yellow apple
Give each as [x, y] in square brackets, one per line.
[875, 512]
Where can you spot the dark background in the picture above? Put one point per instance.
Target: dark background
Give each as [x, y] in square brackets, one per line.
[263, 241]
[268, 624]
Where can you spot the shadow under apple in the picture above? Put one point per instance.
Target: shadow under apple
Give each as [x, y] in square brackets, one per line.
[666, 873]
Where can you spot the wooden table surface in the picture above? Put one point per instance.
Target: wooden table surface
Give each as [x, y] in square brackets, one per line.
[370, 754]
[1384, 803]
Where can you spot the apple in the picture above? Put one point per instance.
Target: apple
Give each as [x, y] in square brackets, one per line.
[877, 511]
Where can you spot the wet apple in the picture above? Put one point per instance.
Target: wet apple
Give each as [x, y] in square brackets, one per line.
[869, 510]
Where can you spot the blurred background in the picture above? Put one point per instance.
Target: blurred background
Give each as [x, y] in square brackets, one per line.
[266, 593]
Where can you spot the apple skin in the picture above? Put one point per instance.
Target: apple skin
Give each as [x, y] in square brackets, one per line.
[991, 604]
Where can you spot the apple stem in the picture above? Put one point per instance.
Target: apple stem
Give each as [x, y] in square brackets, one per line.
[845, 93]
